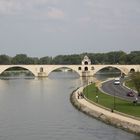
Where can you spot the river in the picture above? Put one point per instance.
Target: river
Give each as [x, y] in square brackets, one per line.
[40, 109]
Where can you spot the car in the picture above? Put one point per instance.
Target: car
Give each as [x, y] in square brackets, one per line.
[117, 81]
[130, 94]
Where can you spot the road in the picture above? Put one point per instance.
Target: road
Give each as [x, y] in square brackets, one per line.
[117, 90]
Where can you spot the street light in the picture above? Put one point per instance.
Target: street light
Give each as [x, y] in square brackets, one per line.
[114, 98]
[96, 94]
[87, 87]
[114, 105]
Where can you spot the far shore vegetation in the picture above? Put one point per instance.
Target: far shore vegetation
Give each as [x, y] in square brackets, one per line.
[115, 57]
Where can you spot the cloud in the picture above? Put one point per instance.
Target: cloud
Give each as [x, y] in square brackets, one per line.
[9, 7]
[34, 9]
[84, 20]
[54, 13]
[54, 30]
[114, 14]
[15, 7]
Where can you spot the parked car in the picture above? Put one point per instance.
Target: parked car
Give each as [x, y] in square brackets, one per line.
[130, 94]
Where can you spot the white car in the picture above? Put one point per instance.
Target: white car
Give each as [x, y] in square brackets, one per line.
[117, 81]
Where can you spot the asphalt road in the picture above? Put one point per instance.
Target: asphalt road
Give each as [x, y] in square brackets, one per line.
[117, 90]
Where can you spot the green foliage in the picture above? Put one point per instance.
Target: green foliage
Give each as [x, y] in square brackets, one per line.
[136, 80]
[130, 84]
[116, 57]
[4, 59]
[133, 57]
[67, 59]
[20, 59]
[45, 60]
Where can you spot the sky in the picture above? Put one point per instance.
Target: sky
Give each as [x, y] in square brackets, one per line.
[53, 27]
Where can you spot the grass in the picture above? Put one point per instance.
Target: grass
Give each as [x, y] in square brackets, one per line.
[130, 84]
[121, 105]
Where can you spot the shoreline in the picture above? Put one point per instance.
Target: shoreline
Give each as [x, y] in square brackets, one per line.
[105, 115]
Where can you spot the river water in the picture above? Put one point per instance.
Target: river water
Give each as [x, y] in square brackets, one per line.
[40, 109]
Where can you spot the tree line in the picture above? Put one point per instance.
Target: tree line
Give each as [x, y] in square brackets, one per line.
[115, 57]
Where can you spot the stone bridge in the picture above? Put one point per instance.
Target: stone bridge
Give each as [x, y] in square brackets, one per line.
[85, 69]
[82, 70]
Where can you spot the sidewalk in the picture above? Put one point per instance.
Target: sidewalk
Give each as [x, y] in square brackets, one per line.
[118, 120]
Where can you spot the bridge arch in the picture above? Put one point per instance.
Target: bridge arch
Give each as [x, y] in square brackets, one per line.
[86, 68]
[16, 66]
[77, 69]
[121, 69]
[132, 70]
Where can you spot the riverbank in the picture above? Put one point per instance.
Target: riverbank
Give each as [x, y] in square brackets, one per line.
[98, 112]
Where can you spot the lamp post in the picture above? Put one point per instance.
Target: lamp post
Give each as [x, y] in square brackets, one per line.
[113, 106]
[87, 87]
[96, 94]
[114, 103]
[114, 99]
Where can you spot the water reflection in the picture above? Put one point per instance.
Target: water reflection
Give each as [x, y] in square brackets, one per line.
[16, 74]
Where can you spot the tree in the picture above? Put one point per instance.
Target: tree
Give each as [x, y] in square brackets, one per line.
[45, 60]
[4, 59]
[67, 59]
[35, 60]
[20, 59]
[123, 58]
[133, 57]
[136, 81]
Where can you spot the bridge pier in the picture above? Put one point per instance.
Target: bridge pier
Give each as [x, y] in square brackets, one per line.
[42, 74]
[86, 74]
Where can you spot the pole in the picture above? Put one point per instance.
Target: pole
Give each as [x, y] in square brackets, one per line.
[96, 94]
[114, 106]
[87, 87]
[114, 98]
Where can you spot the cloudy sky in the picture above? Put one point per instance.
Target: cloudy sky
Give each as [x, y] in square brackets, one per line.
[53, 27]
